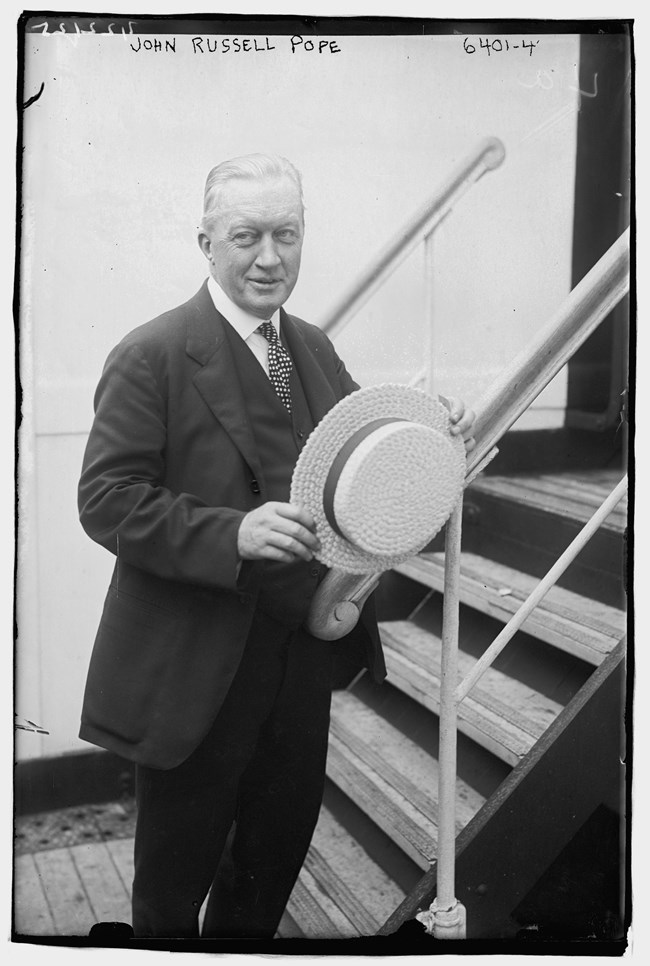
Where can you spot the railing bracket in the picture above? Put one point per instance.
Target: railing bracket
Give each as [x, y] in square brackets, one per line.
[447, 923]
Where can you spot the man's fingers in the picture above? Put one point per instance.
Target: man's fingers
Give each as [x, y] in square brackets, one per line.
[302, 535]
[466, 424]
[291, 511]
[277, 531]
[456, 408]
[297, 523]
[468, 419]
[461, 419]
[304, 545]
[459, 415]
[280, 546]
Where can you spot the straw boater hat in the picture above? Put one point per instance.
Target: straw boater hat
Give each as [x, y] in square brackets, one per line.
[380, 474]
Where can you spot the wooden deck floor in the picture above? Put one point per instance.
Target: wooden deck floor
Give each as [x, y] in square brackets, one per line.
[64, 885]
[65, 891]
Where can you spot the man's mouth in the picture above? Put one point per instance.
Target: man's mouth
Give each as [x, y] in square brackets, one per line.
[265, 282]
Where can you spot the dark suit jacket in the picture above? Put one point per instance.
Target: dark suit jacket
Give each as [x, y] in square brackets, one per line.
[168, 474]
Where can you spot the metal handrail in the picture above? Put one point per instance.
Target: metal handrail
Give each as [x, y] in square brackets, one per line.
[519, 384]
[486, 157]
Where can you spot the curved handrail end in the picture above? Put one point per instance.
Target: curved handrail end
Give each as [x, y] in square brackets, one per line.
[494, 153]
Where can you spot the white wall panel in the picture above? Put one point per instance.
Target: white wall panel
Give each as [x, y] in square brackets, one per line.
[61, 600]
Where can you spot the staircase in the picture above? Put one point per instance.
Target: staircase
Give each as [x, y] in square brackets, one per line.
[376, 839]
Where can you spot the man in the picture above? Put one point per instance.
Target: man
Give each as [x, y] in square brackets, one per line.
[202, 672]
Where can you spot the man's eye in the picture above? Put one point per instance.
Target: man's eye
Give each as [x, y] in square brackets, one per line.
[286, 234]
[244, 238]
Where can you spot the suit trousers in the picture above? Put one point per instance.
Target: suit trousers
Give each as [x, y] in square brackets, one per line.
[237, 816]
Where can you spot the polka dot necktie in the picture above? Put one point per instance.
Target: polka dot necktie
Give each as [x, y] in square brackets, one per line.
[279, 363]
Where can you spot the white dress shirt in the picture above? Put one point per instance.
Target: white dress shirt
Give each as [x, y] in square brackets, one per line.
[244, 323]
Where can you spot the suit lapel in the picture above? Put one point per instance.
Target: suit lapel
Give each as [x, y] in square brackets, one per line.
[318, 390]
[217, 380]
[219, 384]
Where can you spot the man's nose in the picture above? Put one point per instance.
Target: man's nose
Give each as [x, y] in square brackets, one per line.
[267, 253]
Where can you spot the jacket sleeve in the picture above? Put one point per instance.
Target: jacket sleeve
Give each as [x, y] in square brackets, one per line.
[348, 384]
[345, 380]
[123, 502]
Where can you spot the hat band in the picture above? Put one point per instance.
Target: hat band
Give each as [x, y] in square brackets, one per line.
[339, 461]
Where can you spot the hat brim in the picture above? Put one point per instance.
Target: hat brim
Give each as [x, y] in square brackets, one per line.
[349, 416]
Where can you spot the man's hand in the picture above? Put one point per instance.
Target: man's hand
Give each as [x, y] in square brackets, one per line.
[461, 420]
[277, 531]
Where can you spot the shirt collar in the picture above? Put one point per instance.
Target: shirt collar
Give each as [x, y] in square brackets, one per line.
[242, 322]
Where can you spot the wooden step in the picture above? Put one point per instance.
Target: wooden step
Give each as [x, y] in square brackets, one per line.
[585, 628]
[564, 494]
[526, 521]
[390, 778]
[340, 892]
[501, 714]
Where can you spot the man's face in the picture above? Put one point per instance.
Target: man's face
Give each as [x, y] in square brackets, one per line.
[255, 243]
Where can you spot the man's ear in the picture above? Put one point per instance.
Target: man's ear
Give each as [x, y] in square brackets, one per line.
[205, 244]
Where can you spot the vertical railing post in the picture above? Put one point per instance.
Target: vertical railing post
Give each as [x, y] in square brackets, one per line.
[429, 349]
[446, 917]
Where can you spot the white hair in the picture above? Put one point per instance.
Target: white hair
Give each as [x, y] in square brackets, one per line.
[249, 166]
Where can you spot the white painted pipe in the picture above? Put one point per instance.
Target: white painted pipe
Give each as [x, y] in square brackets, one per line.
[446, 852]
